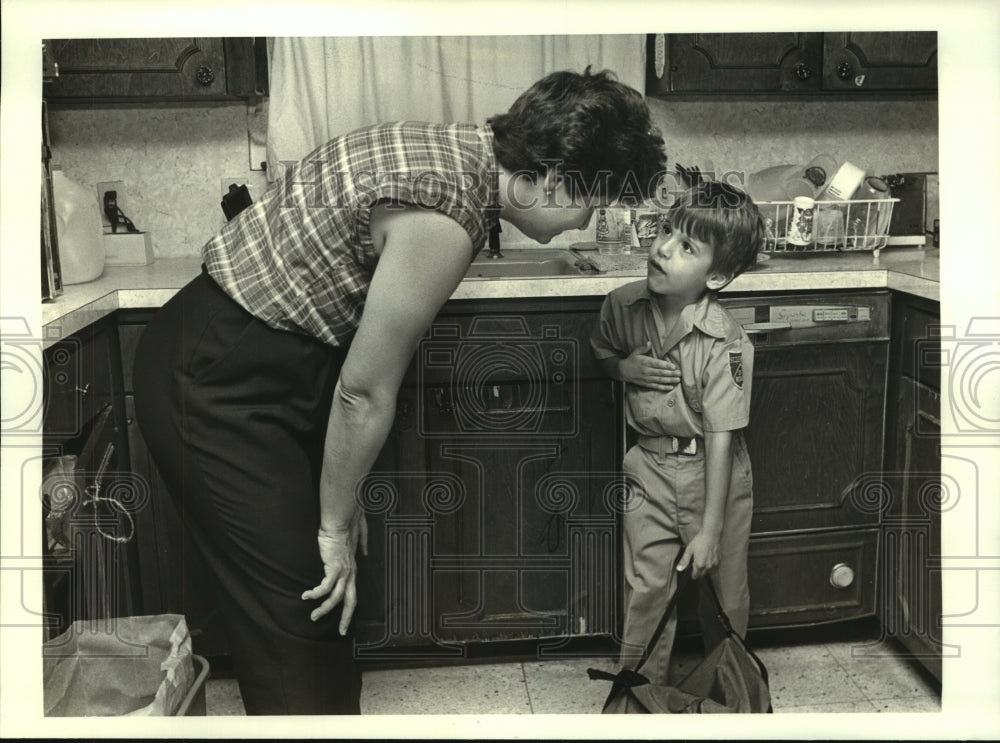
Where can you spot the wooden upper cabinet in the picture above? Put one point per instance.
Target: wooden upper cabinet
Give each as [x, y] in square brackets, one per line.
[151, 69]
[791, 63]
[880, 61]
[770, 62]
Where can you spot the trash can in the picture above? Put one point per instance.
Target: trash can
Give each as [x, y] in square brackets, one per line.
[139, 666]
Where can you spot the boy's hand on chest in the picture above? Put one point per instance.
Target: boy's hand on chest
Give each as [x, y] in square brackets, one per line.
[643, 370]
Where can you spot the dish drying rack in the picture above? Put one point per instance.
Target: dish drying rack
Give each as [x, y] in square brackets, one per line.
[854, 225]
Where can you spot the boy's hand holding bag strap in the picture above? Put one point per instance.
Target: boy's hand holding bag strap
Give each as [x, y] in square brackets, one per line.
[730, 679]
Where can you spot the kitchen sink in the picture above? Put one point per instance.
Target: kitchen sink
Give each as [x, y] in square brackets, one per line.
[525, 264]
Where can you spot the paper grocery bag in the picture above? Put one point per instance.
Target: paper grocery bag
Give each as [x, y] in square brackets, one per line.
[123, 666]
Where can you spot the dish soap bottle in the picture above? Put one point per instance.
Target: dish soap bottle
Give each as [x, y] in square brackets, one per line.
[79, 235]
[602, 231]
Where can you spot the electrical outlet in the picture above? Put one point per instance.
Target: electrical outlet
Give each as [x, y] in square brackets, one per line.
[119, 188]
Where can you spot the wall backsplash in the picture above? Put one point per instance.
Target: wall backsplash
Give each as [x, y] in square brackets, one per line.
[173, 158]
[748, 135]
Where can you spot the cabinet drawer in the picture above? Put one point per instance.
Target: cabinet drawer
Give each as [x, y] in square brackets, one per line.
[78, 383]
[792, 577]
[791, 580]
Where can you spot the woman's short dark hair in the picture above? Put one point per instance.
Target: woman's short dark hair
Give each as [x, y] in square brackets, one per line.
[595, 130]
[726, 218]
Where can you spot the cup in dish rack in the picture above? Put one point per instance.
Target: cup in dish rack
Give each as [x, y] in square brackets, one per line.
[828, 226]
[800, 228]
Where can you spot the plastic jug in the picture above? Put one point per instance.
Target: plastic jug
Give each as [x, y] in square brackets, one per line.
[787, 182]
[78, 230]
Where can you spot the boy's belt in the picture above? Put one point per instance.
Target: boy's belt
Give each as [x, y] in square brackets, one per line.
[670, 444]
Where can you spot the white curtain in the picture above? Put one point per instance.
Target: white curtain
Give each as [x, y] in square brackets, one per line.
[325, 86]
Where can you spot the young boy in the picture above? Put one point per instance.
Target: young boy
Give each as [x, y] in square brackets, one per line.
[687, 366]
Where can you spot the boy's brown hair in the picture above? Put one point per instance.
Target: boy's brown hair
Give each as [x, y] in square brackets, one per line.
[726, 218]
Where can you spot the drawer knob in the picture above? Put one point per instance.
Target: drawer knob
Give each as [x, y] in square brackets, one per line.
[842, 576]
[844, 70]
[205, 75]
[803, 71]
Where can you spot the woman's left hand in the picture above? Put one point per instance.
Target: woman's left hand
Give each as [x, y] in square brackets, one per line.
[337, 549]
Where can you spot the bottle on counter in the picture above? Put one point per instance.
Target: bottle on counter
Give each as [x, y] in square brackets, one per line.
[79, 233]
[612, 231]
[603, 232]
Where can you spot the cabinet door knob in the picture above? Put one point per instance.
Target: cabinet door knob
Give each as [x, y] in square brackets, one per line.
[803, 71]
[844, 71]
[842, 576]
[84, 391]
[205, 75]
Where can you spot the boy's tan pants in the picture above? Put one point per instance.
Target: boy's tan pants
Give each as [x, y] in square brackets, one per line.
[658, 524]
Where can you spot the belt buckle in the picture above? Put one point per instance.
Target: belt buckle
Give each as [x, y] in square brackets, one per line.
[684, 445]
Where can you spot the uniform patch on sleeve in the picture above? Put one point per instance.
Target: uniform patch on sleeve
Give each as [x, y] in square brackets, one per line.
[736, 368]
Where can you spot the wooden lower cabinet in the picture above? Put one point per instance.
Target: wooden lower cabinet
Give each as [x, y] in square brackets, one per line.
[89, 495]
[492, 506]
[911, 605]
[815, 441]
[492, 510]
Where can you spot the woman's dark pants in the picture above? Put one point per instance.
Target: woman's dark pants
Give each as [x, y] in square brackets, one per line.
[234, 414]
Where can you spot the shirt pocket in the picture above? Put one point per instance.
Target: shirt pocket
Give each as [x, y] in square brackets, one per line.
[647, 405]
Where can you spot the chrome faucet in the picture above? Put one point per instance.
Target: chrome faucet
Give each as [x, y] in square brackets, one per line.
[494, 242]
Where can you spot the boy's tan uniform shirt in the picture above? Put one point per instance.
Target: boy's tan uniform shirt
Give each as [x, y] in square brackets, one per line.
[711, 349]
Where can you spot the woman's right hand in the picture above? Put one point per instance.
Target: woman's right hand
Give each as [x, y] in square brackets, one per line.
[337, 548]
[647, 371]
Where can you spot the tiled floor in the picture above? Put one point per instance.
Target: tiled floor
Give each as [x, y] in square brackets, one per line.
[843, 676]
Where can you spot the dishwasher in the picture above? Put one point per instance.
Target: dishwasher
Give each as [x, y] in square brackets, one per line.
[815, 440]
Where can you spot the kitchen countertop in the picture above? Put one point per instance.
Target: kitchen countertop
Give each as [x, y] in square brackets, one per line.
[911, 270]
